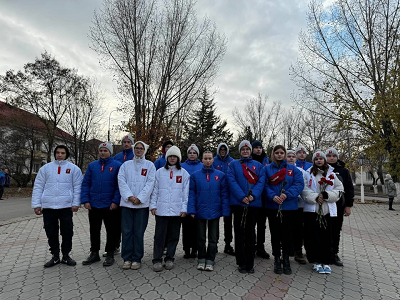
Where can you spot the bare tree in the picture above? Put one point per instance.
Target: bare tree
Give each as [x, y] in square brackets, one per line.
[161, 56]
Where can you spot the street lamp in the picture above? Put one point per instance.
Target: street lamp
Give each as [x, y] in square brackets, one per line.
[109, 120]
[361, 159]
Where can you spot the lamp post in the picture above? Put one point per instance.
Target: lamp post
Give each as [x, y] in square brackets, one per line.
[109, 120]
[361, 162]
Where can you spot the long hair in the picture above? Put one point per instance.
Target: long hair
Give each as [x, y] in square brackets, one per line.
[177, 165]
[324, 168]
[277, 147]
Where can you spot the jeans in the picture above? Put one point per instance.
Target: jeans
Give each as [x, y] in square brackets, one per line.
[96, 218]
[282, 231]
[207, 255]
[167, 230]
[133, 225]
[55, 220]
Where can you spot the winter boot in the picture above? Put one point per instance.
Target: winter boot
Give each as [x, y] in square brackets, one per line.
[286, 265]
[277, 265]
[93, 257]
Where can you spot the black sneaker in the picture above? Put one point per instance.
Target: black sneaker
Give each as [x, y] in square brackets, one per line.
[109, 261]
[242, 270]
[262, 253]
[229, 250]
[55, 260]
[93, 257]
[67, 260]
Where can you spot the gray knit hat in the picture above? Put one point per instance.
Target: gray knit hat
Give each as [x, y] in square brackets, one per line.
[174, 150]
[129, 137]
[290, 152]
[108, 146]
[318, 153]
[301, 148]
[245, 143]
[193, 147]
[333, 151]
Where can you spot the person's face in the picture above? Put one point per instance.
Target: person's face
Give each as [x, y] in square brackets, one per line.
[319, 161]
[172, 160]
[127, 144]
[279, 155]
[291, 158]
[245, 152]
[257, 150]
[61, 154]
[139, 150]
[167, 147]
[331, 158]
[6, 171]
[192, 155]
[104, 153]
[301, 155]
[222, 151]
[207, 160]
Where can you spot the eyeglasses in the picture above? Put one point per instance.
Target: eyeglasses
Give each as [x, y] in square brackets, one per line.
[140, 149]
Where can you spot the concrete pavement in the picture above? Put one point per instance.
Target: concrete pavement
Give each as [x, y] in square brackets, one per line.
[370, 250]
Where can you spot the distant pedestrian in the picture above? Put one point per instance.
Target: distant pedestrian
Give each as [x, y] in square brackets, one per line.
[56, 194]
[301, 155]
[160, 162]
[391, 191]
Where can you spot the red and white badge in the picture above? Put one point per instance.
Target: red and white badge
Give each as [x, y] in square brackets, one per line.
[68, 171]
[144, 172]
[208, 177]
[111, 169]
[309, 184]
[218, 167]
[178, 179]
[290, 172]
[216, 178]
[254, 168]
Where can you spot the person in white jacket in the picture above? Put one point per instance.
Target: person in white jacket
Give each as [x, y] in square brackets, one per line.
[135, 181]
[169, 205]
[321, 190]
[56, 194]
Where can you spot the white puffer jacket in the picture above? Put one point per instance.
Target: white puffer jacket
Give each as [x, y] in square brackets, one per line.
[171, 191]
[57, 185]
[136, 178]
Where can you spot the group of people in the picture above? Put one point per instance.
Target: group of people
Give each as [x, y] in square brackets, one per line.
[304, 203]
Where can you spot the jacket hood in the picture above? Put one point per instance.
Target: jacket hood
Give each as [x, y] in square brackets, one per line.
[145, 149]
[219, 147]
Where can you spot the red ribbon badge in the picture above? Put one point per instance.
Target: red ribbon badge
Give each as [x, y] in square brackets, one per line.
[178, 179]
[124, 157]
[102, 168]
[144, 172]
[59, 169]
[216, 177]
[171, 174]
[290, 172]
[208, 177]
[68, 171]
[110, 169]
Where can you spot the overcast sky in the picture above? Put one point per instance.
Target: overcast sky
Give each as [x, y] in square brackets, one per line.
[262, 44]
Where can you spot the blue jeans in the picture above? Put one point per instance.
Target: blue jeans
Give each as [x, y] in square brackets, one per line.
[133, 225]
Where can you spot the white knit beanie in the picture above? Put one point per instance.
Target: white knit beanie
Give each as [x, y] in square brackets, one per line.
[290, 152]
[129, 137]
[193, 147]
[318, 153]
[245, 143]
[146, 147]
[174, 150]
[108, 146]
[301, 148]
[333, 151]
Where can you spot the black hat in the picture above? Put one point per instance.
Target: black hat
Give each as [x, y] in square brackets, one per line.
[256, 144]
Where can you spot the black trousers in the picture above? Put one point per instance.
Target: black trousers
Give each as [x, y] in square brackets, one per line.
[317, 239]
[207, 254]
[228, 229]
[261, 226]
[55, 221]
[282, 231]
[299, 231]
[96, 218]
[1, 191]
[118, 233]
[189, 234]
[244, 225]
[337, 224]
[167, 229]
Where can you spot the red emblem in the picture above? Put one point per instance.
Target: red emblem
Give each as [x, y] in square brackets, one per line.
[310, 183]
[208, 177]
[104, 144]
[126, 137]
[178, 179]
[290, 172]
[171, 174]
[191, 148]
[218, 168]
[317, 154]
[254, 168]
[110, 169]
[68, 171]
[144, 172]
[245, 145]
[228, 164]
[216, 178]
[302, 149]
[330, 151]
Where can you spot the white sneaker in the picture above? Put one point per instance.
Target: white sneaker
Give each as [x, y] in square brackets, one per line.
[209, 268]
[201, 266]
[135, 265]
[327, 269]
[127, 265]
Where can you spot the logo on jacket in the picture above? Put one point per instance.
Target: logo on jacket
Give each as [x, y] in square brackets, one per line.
[144, 172]
[218, 167]
[110, 169]
[68, 171]
[216, 177]
[254, 168]
[290, 172]
[309, 184]
[178, 179]
[228, 164]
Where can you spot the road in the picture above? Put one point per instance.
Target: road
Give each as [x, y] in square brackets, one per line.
[12, 208]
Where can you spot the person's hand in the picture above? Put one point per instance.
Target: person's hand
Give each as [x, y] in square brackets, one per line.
[132, 199]
[320, 199]
[192, 215]
[347, 211]
[87, 206]
[251, 198]
[246, 200]
[183, 214]
[38, 210]
[283, 197]
[75, 208]
[277, 199]
[153, 211]
[113, 206]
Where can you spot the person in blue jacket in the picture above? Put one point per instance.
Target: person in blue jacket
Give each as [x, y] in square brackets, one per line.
[100, 196]
[208, 201]
[246, 183]
[160, 162]
[221, 163]
[301, 162]
[283, 184]
[189, 239]
[127, 151]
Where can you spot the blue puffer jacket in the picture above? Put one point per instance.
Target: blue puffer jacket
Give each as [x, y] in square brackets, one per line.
[208, 199]
[124, 155]
[305, 165]
[192, 166]
[100, 184]
[293, 187]
[239, 186]
[160, 162]
[222, 164]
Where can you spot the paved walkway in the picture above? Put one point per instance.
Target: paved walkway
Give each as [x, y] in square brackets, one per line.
[371, 247]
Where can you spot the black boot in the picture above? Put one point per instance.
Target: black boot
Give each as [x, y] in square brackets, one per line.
[286, 265]
[337, 261]
[229, 250]
[93, 257]
[262, 253]
[391, 204]
[109, 261]
[55, 260]
[277, 265]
